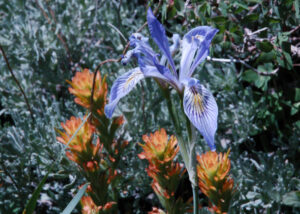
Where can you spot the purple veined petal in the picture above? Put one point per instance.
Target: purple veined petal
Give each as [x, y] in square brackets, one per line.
[158, 34]
[195, 48]
[121, 87]
[173, 48]
[171, 79]
[201, 109]
[151, 70]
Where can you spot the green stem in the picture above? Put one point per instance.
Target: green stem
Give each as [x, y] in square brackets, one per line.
[192, 161]
[195, 199]
[188, 153]
[170, 106]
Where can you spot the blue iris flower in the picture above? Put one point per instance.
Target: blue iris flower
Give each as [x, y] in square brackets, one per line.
[198, 102]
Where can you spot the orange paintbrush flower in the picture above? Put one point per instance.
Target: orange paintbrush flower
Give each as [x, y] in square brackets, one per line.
[158, 148]
[89, 207]
[82, 142]
[155, 210]
[82, 84]
[160, 152]
[214, 180]
[83, 136]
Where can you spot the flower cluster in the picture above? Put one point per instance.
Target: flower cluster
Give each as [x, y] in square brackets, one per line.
[81, 148]
[155, 210]
[214, 180]
[89, 207]
[82, 84]
[93, 145]
[166, 174]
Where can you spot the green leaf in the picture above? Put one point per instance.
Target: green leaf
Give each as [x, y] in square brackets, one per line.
[265, 57]
[249, 76]
[75, 200]
[250, 18]
[241, 5]
[295, 108]
[179, 5]
[265, 46]
[219, 19]
[29, 209]
[4, 41]
[272, 20]
[258, 80]
[297, 94]
[297, 6]
[292, 199]
[288, 60]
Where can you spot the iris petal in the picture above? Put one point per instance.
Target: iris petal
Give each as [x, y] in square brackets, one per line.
[121, 87]
[170, 78]
[158, 34]
[195, 48]
[201, 109]
[173, 48]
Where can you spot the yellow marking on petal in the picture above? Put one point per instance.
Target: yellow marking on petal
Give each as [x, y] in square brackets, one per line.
[132, 77]
[198, 103]
[199, 37]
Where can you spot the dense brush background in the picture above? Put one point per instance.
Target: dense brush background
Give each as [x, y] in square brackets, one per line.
[47, 41]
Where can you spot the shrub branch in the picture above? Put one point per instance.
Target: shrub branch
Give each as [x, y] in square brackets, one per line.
[17, 81]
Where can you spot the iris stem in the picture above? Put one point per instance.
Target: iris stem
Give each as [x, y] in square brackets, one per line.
[195, 199]
[192, 158]
[187, 150]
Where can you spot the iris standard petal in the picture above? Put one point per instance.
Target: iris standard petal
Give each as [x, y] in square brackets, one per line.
[173, 48]
[158, 34]
[150, 70]
[195, 48]
[170, 78]
[201, 109]
[121, 87]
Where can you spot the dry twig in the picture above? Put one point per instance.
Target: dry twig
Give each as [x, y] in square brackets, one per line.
[18, 83]
[245, 64]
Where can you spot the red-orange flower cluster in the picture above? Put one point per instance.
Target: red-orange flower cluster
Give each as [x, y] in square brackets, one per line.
[98, 161]
[89, 207]
[158, 149]
[160, 153]
[81, 143]
[155, 210]
[214, 180]
[82, 84]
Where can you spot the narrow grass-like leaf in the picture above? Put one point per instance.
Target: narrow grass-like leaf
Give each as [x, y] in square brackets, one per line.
[75, 200]
[32, 202]
[29, 209]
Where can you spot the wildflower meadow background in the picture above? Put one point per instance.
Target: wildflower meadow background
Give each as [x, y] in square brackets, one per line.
[61, 151]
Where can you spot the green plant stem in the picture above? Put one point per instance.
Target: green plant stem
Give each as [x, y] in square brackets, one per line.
[188, 154]
[174, 118]
[195, 199]
[192, 160]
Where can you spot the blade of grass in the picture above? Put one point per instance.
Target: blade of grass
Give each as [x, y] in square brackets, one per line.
[32, 202]
[75, 200]
[30, 206]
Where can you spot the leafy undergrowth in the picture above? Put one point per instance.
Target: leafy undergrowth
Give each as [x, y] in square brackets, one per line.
[47, 42]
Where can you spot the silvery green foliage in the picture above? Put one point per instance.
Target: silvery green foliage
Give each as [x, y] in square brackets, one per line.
[257, 114]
